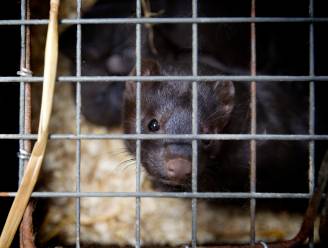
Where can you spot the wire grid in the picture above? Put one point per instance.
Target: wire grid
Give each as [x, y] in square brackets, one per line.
[194, 137]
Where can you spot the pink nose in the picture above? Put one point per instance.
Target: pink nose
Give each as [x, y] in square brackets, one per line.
[178, 169]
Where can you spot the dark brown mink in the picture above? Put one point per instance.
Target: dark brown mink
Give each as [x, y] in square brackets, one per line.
[223, 108]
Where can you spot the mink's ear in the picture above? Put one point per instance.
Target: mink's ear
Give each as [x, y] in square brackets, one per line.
[225, 93]
[148, 67]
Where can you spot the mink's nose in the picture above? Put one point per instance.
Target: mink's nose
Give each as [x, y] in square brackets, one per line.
[178, 169]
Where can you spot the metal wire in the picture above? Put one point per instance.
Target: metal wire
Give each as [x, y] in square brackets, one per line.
[291, 137]
[311, 110]
[157, 20]
[78, 125]
[138, 124]
[85, 79]
[211, 195]
[311, 102]
[194, 125]
[22, 90]
[252, 176]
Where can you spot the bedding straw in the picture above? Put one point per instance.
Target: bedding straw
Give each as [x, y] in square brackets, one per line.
[34, 164]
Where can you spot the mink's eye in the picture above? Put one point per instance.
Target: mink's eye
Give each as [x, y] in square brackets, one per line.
[153, 125]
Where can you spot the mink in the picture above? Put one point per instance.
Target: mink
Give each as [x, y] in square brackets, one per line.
[223, 108]
[106, 50]
[223, 48]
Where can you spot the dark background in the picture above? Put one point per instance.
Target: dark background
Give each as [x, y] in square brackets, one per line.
[9, 105]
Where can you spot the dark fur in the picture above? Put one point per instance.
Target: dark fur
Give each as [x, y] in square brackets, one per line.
[223, 107]
[107, 50]
[282, 107]
[110, 49]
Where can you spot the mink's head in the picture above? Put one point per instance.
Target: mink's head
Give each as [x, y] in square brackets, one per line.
[166, 108]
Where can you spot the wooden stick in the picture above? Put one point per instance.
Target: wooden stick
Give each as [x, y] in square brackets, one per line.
[34, 164]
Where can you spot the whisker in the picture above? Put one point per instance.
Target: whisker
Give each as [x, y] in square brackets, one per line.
[117, 151]
[128, 165]
[125, 161]
[114, 153]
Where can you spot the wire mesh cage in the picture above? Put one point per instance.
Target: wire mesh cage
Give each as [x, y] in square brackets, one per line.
[80, 137]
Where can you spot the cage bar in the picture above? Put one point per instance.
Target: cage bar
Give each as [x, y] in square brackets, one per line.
[200, 195]
[22, 90]
[78, 126]
[194, 125]
[311, 101]
[88, 79]
[253, 128]
[295, 137]
[138, 125]
[311, 110]
[26, 71]
[157, 20]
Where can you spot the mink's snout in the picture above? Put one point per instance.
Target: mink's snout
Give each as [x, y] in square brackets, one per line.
[178, 162]
[178, 169]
